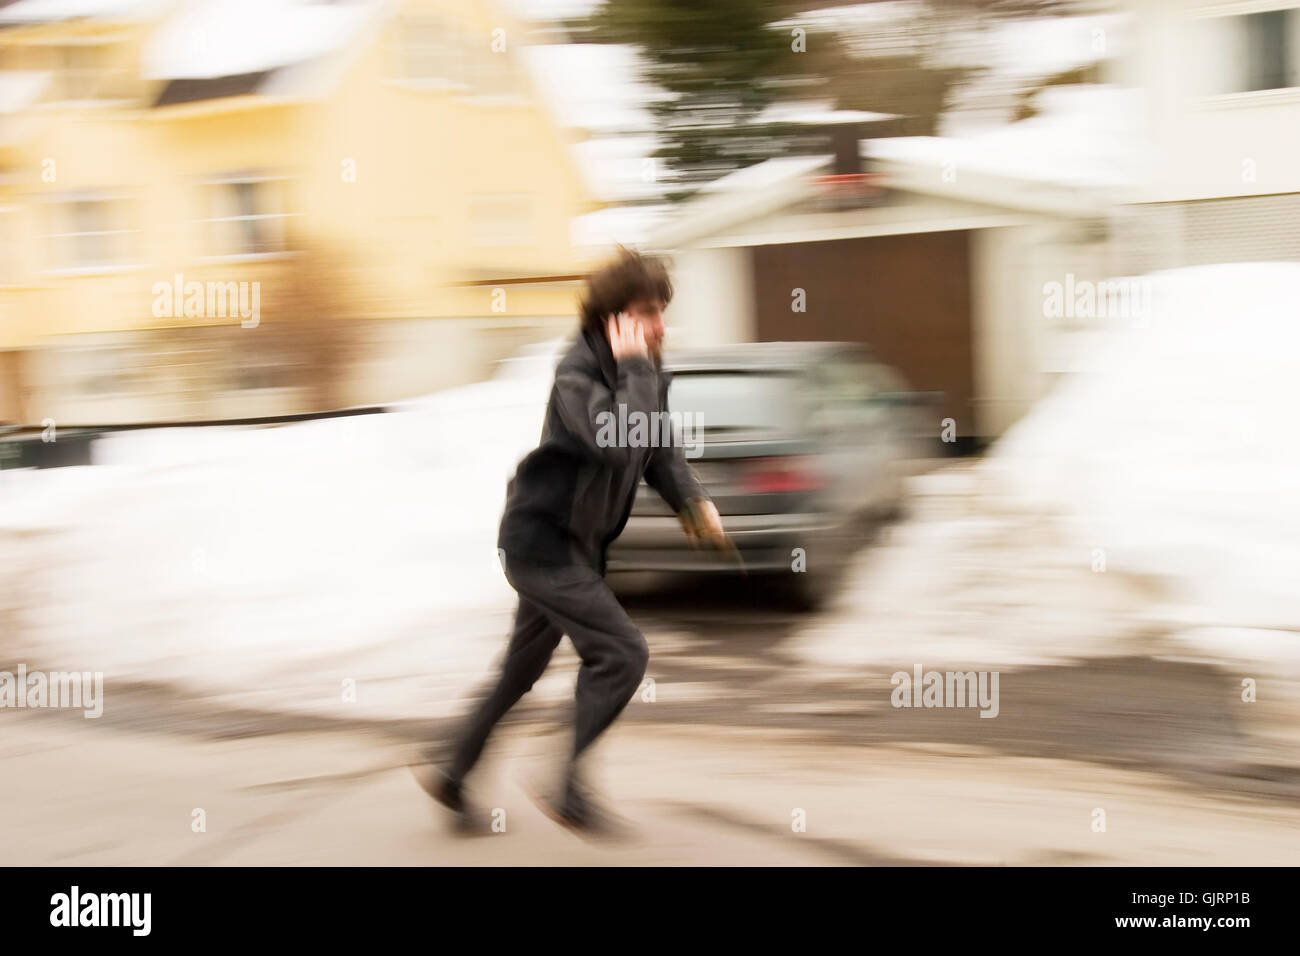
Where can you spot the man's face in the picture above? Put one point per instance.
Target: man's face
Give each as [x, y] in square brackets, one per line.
[651, 316]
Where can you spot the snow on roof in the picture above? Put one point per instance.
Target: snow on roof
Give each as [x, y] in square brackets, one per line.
[46, 11]
[1085, 136]
[1045, 45]
[767, 173]
[817, 114]
[1083, 140]
[745, 194]
[232, 37]
[1016, 55]
[1025, 47]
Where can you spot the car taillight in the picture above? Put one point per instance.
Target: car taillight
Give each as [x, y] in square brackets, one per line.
[767, 476]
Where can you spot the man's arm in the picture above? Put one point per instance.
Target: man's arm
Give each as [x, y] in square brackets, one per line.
[590, 411]
[670, 475]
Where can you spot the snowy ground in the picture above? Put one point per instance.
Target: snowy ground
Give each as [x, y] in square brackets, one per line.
[222, 558]
[1176, 456]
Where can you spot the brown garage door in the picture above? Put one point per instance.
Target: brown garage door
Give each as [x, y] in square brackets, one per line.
[908, 297]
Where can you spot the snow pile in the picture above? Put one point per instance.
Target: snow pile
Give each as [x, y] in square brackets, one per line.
[221, 556]
[1178, 453]
[1083, 138]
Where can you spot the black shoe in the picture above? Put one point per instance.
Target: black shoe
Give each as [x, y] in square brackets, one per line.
[574, 808]
[437, 783]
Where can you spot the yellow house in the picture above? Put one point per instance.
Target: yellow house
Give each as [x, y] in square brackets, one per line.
[252, 208]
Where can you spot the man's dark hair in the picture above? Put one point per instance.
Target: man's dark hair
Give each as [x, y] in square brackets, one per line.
[629, 278]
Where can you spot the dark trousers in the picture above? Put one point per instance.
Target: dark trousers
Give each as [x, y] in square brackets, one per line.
[552, 602]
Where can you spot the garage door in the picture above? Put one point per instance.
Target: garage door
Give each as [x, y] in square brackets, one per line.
[908, 297]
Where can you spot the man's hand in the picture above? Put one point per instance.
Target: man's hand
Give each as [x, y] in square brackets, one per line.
[626, 337]
[702, 524]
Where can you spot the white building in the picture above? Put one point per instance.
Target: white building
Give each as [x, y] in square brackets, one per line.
[963, 270]
[1220, 89]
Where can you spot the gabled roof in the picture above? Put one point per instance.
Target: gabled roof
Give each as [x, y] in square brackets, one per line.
[745, 194]
[1073, 160]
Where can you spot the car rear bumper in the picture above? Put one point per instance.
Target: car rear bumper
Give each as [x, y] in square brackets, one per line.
[765, 543]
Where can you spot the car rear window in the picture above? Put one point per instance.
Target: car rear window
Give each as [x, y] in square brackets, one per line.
[738, 400]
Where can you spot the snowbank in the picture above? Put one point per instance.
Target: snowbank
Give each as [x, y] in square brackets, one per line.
[1179, 452]
[219, 556]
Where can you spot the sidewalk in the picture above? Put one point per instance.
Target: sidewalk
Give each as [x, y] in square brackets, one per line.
[85, 796]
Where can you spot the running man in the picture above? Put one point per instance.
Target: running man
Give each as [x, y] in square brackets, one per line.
[569, 499]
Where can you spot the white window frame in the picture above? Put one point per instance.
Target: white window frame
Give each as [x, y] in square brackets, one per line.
[122, 264]
[205, 223]
[1244, 98]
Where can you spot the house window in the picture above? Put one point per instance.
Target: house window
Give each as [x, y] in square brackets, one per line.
[88, 234]
[84, 72]
[428, 51]
[1269, 55]
[431, 51]
[10, 248]
[246, 217]
[1250, 52]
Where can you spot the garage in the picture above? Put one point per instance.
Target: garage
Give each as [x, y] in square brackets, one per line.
[907, 296]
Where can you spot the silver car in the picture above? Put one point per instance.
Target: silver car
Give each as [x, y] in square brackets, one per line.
[797, 444]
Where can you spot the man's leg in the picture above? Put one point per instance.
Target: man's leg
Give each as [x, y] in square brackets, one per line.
[613, 651]
[532, 643]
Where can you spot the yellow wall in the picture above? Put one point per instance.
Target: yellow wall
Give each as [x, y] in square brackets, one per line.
[402, 231]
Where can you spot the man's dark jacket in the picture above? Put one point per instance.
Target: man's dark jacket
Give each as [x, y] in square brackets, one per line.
[571, 497]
